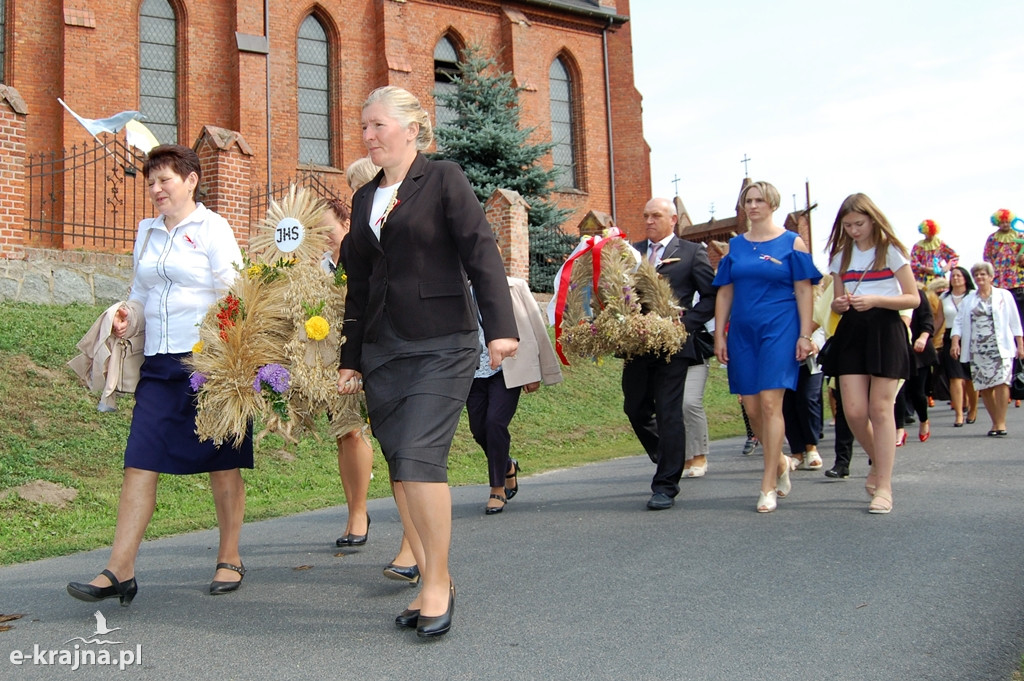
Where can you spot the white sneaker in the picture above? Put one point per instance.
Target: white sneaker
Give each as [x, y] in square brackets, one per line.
[811, 462]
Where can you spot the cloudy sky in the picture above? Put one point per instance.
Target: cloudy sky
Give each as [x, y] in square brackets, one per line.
[918, 104]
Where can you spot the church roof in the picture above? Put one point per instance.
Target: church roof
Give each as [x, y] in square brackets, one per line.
[589, 8]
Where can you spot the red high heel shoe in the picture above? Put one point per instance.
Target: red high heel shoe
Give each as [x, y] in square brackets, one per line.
[903, 440]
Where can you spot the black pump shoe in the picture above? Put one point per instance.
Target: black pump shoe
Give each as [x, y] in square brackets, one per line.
[838, 471]
[429, 627]
[125, 591]
[407, 619]
[409, 574]
[354, 539]
[217, 588]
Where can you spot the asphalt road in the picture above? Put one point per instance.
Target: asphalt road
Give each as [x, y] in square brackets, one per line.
[577, 580]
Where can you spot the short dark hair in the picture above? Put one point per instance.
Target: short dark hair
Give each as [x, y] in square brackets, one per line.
[338, 207]
[181, 159]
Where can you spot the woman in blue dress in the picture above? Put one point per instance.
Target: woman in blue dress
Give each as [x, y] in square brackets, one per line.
[763, 326]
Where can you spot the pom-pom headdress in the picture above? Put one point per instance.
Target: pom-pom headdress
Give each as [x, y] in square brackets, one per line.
[1002, 216]
[929, 228]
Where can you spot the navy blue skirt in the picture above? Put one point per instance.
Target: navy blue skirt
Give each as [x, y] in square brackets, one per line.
[163, 432]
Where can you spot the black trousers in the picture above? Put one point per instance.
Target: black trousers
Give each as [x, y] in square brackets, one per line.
[652, 391]
[844, 436]
[490, 407]
[803, 412]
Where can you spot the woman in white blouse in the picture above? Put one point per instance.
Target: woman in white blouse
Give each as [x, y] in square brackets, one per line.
[186, 261]
[987, 334]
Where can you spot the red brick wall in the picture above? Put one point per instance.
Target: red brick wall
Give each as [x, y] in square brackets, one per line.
[226, 160]
[90, 60]
[508, 214]
[12, 174]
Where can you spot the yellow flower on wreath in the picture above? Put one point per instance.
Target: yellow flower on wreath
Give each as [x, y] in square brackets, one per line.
[317, 328]
[197, 348]
[255, 270]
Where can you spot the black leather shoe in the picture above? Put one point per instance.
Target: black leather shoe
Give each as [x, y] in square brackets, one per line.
[409, 574]
[838, 471]
[408, 619]
[125, 591]
[354, 539]
[429, 627]
[512, 491]
[660, 502]
[217, 588]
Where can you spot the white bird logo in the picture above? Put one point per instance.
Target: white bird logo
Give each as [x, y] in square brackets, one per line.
[101, 625]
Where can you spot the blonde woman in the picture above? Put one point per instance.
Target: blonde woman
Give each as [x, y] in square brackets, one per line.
[765, 300]
[418, 231]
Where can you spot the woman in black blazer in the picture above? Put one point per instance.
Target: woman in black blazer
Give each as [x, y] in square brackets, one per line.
[418, 237]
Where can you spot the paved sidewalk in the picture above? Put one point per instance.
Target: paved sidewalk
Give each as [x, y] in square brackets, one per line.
[577, 580]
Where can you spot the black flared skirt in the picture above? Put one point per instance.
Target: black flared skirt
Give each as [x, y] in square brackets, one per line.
[954, 368]
[873, 343]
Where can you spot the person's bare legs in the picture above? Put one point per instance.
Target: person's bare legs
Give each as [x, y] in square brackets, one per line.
[854, 389]
[355, 463]
[996, 401]
[882, 395]
[405, 557]
[765, 413]
[229, 501]
[971, 399]
[426, 510]
[957, 393]
[134, 511]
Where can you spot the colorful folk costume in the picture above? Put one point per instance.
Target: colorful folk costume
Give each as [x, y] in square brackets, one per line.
[1003, 252]
[930, 257]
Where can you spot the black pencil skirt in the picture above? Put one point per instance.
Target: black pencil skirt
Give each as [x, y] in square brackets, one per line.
[415, 393]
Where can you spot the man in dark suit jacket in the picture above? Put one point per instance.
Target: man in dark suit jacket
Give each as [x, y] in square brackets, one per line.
[652, 387]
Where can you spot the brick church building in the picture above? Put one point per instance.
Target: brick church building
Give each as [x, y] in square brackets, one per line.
[268, 91]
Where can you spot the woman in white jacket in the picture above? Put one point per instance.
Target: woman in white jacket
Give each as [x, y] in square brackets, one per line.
[987, 334]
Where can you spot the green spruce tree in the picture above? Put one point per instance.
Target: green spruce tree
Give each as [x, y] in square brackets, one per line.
[495, 153]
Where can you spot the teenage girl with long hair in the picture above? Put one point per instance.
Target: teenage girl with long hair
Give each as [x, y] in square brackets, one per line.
[870, 350]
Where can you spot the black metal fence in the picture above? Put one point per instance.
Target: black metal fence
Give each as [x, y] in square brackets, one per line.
[92, 197]
[260, 197]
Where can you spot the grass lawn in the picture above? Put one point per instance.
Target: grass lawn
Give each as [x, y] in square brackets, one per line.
[51, 431]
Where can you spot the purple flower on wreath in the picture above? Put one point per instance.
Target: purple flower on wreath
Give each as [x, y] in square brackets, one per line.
[274, 376]
[196, 380]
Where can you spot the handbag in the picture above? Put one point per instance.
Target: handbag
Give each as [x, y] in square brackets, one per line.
[704, 343]
[111, 365]
[1017, 381]
[824, 356]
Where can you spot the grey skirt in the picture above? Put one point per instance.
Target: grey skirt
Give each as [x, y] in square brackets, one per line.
[415, 393]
